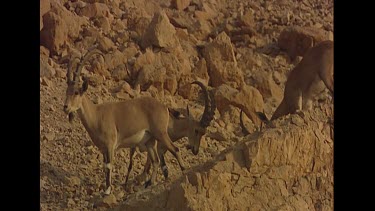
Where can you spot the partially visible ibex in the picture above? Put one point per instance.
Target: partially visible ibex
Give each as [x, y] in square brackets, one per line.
[113, 125]
[180, 127]
[316, 66]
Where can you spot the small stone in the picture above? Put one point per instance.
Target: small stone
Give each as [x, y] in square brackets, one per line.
[71, 203]
[107, 201]
[74, 180]
[46, 82]
[52, 108]
[49, 136]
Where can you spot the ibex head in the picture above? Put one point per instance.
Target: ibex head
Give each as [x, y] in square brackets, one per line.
[198, 128]
[74, 92]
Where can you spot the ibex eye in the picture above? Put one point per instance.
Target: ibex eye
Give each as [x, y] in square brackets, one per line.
[76, 92]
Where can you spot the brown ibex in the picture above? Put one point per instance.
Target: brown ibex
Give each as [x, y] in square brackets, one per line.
[180, 127]
[316, 66]
[113, 125]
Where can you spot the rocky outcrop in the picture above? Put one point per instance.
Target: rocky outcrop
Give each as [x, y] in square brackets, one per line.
[59, 26]
[45, 6]
[297, 40]
[284, 168]
[221, 62]
[157, 48]
[160, 33]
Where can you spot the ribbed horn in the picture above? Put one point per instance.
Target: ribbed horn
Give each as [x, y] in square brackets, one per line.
[85, 58]
[208, 115]
[72, 61]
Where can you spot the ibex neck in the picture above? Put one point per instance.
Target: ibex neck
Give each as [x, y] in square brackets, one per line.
[180, 128]
[87, 113]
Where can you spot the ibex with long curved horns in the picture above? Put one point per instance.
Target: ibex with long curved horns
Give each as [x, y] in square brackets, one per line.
[180, 127]
[113, 125]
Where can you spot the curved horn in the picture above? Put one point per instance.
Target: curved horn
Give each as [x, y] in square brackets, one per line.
[208, 113]
[244, 130]
[70, 65]
[83, 62]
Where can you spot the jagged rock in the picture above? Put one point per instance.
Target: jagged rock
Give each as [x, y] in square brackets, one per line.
[160, 32]
[222, 63]
[297, 40]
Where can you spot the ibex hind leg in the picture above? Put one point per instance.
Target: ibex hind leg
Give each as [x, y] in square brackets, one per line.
[152, 154]
[132, 151]
[142, 177]
[327, 78]
[161, 151]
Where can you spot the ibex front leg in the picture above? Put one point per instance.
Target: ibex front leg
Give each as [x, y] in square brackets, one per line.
[108, 162]
[146, 170]
[164, 139]
[132, 151]
[161, 151]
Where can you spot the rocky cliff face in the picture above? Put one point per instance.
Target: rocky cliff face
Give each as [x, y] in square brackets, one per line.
[287, 167]
[242, 50]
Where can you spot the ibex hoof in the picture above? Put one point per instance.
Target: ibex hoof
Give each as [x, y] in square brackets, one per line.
[147, 183]
[108, 191]
[165, 173]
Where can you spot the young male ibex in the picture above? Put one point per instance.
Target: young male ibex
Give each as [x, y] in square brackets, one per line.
[113, 125]
[180, 127]
[316, 66]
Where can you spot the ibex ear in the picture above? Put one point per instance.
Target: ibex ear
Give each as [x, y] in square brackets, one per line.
[85, 85]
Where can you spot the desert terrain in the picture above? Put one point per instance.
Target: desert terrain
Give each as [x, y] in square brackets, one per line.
[242, 51]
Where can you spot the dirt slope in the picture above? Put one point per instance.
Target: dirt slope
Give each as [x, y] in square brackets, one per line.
[157, 48]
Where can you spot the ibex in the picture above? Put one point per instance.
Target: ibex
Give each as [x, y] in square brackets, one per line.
[180, 127]
[316, 66]
[113, 125]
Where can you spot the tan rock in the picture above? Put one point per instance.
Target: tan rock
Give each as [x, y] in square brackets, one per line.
[180, 4]
[106, 44]
[45, 6]
[46, 70]
[296, 40]
[160, 32]
[267, 86]
[46, 82]
[103, 23]
[95, 10]
[106, 202]
[222, 63]
[59, 25]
